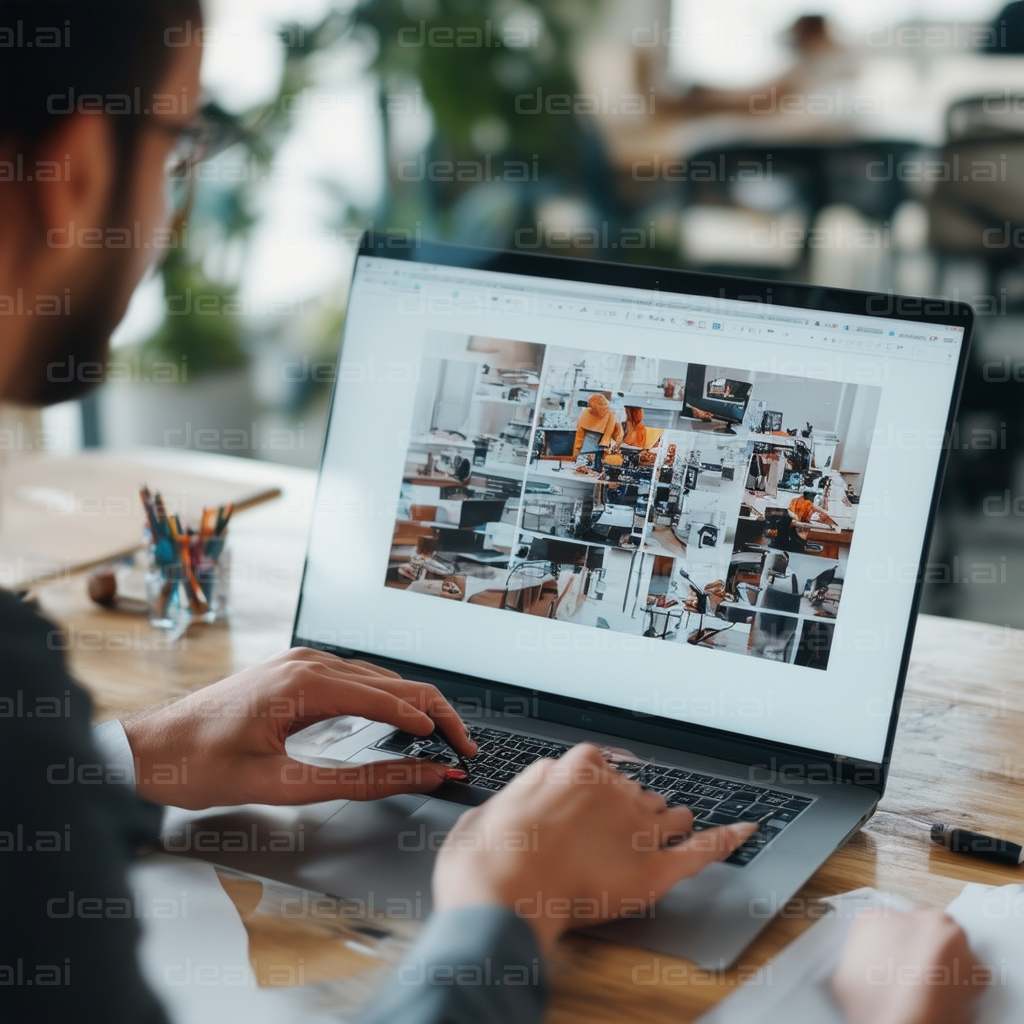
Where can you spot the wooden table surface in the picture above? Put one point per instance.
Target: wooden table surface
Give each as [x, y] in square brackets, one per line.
[959, 751]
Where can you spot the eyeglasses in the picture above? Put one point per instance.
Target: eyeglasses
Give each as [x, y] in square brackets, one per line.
[209, 134]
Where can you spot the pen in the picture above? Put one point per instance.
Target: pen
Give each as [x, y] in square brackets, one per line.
[974, 844]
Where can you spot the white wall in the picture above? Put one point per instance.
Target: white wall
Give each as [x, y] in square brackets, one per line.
[800, 402]
[852, 456]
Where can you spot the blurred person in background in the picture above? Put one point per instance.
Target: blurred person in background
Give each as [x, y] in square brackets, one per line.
[820, 62]
[98, 109]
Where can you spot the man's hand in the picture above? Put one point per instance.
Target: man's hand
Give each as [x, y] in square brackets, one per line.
[908, 969]
[572, 842]
[224, 745]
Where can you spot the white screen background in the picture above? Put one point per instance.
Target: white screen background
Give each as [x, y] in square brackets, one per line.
[843, 710]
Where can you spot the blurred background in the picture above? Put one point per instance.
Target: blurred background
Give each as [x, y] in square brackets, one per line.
[856, 143]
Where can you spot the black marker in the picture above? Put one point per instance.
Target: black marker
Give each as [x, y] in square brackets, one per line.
[959, 840]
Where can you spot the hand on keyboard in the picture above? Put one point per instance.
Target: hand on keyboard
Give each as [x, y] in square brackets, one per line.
[573, 842]
[233, 733]
[502, 755]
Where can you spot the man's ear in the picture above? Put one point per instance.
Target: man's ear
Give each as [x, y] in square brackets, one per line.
[83, 149]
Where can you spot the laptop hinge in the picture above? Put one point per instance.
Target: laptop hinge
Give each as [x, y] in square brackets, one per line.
[860, 773]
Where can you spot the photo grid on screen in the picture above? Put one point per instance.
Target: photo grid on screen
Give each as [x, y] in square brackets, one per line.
[696, 504]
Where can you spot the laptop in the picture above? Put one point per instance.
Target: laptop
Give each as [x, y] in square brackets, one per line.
[545, 627]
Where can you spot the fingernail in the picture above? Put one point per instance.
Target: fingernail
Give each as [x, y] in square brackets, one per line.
[456, 774]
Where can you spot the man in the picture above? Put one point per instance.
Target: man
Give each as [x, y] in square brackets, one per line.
[95, 101]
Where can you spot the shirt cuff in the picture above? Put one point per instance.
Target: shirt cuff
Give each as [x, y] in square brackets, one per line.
[112, 743]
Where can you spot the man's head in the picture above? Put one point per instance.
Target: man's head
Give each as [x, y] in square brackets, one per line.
[809, 34]
[598, 405]
[93, 98]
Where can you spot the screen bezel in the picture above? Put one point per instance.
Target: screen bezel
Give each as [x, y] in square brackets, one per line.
[474, 692]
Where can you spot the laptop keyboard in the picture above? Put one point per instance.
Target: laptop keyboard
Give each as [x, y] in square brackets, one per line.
[502, 755]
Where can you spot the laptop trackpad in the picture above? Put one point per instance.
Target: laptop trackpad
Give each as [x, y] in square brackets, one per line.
[380, 852]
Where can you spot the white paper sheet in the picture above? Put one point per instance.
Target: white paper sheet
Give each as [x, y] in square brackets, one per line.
[794, 987]
[194, 951]
[195, 954]
[993, 917]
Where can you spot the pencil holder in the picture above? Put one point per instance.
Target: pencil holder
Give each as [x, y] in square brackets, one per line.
[181, 590]
[212, 573]
[187, 569]
[166, 596]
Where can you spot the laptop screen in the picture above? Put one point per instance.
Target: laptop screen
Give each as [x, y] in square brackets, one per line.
[706, 510]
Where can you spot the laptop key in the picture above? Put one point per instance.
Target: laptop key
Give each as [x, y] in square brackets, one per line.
[741, 856]
[717, 818]
[734, 808]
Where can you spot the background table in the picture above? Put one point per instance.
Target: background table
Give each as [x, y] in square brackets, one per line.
[959, 752]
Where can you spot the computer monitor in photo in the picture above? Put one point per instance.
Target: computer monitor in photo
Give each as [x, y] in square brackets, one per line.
[460, 541]
[479, 512]
[565, 553]
[725, 399]
[559, 443]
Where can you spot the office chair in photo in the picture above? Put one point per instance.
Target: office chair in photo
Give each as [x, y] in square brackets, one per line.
[781, 599]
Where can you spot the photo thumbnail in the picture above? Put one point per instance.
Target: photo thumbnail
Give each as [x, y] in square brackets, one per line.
[554, 578]
[465, 463]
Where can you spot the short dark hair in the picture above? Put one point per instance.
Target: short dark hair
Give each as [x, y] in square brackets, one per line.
[54, 52]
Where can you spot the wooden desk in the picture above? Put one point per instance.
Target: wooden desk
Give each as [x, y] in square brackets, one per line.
[436, 480]
[959, 750]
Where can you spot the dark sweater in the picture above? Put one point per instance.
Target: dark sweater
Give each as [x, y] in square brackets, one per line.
[69, 829]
